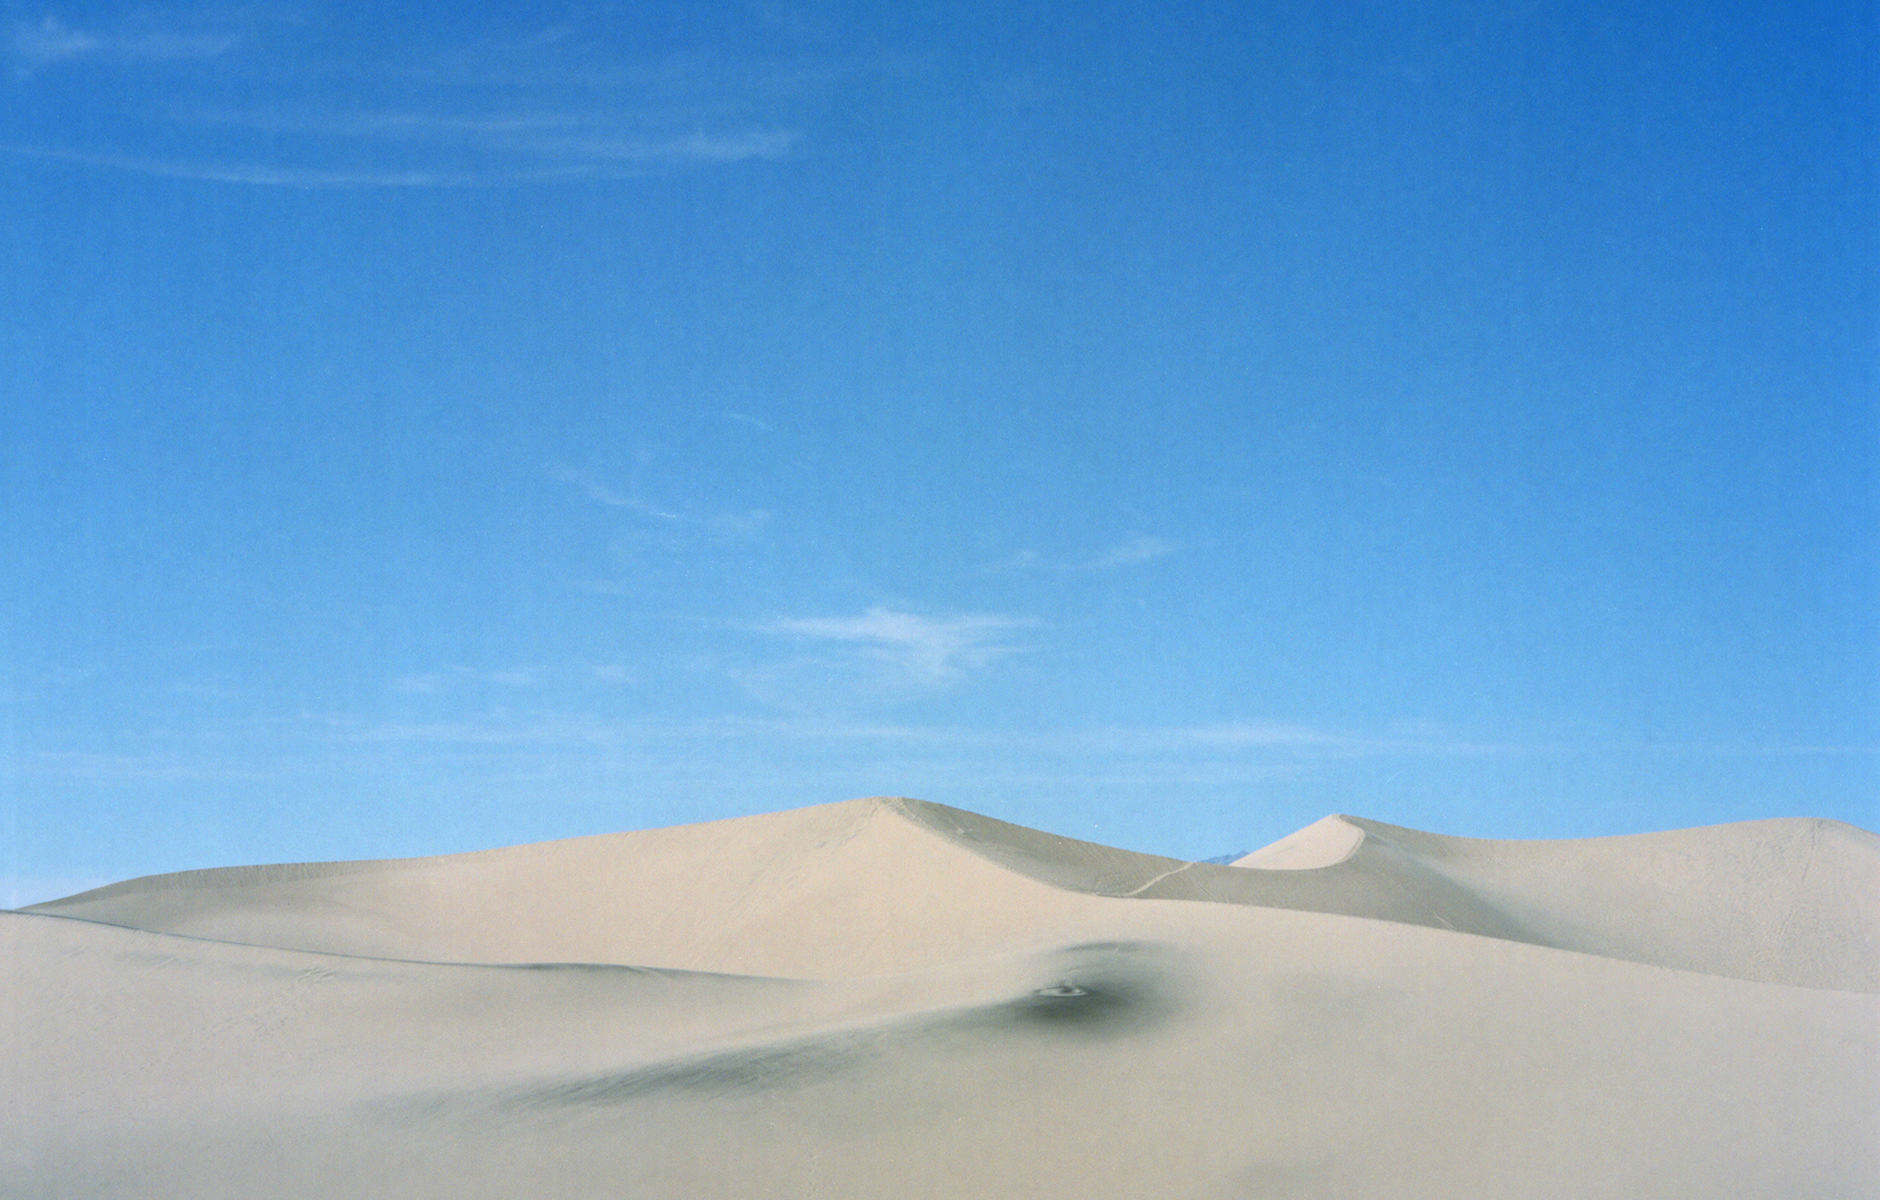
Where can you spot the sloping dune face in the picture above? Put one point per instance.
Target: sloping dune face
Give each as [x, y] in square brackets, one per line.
[863, 887]
[891, 998]
[1776, 901]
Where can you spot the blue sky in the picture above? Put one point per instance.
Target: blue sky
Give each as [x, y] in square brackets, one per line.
[431, 427]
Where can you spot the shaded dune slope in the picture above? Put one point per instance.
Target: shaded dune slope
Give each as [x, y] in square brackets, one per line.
[1792, 901]
[1781, 901]
[878, 886]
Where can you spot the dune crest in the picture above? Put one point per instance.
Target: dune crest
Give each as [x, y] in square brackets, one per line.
[1324, 843]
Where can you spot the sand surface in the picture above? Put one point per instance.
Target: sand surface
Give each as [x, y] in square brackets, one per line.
[898, 999]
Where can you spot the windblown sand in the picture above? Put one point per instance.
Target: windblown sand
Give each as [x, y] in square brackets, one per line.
[888, 998]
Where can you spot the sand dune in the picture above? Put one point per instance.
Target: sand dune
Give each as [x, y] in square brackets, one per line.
[892, 998]
[919, 883]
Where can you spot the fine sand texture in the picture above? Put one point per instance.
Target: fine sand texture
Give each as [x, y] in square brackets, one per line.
[890, 998]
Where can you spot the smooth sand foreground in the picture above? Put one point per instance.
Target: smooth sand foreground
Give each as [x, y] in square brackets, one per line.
[897, 999]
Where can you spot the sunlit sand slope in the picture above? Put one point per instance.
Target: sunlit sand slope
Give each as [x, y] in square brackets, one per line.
[837, 890]
[888, 885]
[894, 999]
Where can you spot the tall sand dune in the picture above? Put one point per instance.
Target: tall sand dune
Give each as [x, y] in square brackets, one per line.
[898, 999]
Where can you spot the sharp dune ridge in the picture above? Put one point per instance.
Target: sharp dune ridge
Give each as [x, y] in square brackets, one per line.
[889, 997]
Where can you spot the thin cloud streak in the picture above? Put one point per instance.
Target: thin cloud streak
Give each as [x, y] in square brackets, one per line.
[455, 678]
[733, 147]
[1137, 549]
[600, 493]
[463, 124]
[618, 161]
[391, 123]
[1306, 739]
[936, 649]
[432, 683]
[305, 177]
[730, 524]
[596, 138]
[108, 768]
[51, 41]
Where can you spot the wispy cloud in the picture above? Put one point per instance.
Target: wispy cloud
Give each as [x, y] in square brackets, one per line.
[50, 40]
[210, 688]
[600, 493]
[1257, 736]
[262, 174]
[1138, 548]
[747, 419]
[568, 103]
[1260, 734]
[456, 678]
[431, 683]
[721, 523]
[933, 649]
[1761, 749]
[108, 768]
[539, 163]
[595, 140]
[600, 149]
[1141, 548]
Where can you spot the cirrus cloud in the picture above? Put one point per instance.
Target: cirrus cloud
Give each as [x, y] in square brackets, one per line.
[50, 40]
[934, 649]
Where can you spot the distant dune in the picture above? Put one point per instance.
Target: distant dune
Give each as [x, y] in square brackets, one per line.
[892, 998]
